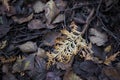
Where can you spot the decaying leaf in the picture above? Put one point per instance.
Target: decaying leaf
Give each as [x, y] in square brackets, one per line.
[22, 20]
[71, 76]
[64, 66]
[36, 24]
[51, 11]
[97, 37]
[50, 38]
[3, 44]
[39, 70]
[108, 48]
[17, 65]
[61, 4]
[28, 47]
[4, 29]
[41, 53]
[58, 19]
[9, 76]
[38, 6]
[111, 58]
[52, 76]
[24, 64]
[112, 73]
[5, 3]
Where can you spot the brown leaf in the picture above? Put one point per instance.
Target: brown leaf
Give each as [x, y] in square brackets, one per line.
[112, 73]
[50, 38]
[97, 37]
[61, 4]
[36, 24]
[9, 76]
[4, 29]
[70, 75]
[51, 11]
[41, 53]
[22, 20]
[5, 3]
[28, 47]
[58, 19]
[52, 76]
[111, 58]
[38, 6]
[24, 64]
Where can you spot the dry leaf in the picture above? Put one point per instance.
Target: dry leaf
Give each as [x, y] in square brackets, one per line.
[22, 20]
[112, 73]
[108, 48]
[58, 19]
[50, 38]
[28, 47]
[52, 76]
[3, 44]
[23, 64]
[9, 76]
[38, 6]
[36, 24]
[97, 37]
[41, 53]
[5, 3]
[51, 11]
[71, 76]
[61, 4]
[111, 58]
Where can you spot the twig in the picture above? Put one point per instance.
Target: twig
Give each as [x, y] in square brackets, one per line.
[88, 22]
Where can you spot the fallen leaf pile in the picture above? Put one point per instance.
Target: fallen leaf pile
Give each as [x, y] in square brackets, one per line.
[59, 40]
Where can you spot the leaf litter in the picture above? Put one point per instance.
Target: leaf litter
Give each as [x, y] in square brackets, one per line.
[59, 40]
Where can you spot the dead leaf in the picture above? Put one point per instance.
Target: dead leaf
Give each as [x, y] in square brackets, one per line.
[58, 19]
[111, 58]
[24, 64]
[61, 4]
[38, 6]
[22, 20]
[36, 24]
[112, 73]
[65, 66]
[9, 76]
[50, 38]
[17, 65]
[5, 3]
[3, 44]
[28, 47]
[5, 68]
[51, 11]
[28, 62]
[108, 48]
[4, 29]
[89, 66]
[71, 76]
[39, 70]
[52, 76]
[97, 37]
[41, 53]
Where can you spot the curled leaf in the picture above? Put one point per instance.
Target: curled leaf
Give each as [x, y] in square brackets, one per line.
[51, 11]
[22, 20]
